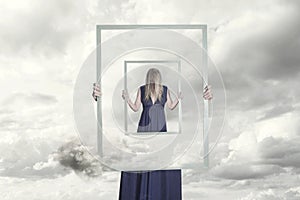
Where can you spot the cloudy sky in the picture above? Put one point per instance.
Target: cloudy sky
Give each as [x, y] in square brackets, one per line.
[255, 44]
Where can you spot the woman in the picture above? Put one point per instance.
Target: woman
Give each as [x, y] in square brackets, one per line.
[153, 96]
[158, 184]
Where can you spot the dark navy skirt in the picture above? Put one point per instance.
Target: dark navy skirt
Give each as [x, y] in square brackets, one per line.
[151, 185]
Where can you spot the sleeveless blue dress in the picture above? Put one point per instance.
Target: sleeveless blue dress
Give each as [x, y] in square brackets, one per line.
[157, 184]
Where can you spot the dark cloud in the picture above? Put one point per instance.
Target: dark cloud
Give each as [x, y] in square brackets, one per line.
[74, 155]
[262, 64]
[271, 52]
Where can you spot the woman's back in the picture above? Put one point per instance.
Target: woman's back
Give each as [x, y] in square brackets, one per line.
[153, 115]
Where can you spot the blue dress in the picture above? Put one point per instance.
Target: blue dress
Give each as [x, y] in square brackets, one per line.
[157, 184]
[153, 115]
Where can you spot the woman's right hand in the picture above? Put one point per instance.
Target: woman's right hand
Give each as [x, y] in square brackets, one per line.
[180, 96]
[125, 95]
[96, 91]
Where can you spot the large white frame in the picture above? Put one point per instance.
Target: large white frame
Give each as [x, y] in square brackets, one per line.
[203, 28]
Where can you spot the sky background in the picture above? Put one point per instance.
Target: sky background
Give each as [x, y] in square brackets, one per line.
[256, 45]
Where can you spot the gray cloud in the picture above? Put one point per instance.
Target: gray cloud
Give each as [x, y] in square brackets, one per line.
[30, 99]
[260, 62]
[247, 170]
[273, 194]
[268, 51]
[14, 118]
[44, 29]
[271, 156]
[7, 122]
[5, 111]
[276, 111]
[280, 151]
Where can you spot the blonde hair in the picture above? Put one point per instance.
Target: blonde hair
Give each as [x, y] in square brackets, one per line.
[153, 84]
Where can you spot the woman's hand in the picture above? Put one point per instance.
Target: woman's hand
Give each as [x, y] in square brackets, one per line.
[137, 104]
[125, 95]
[207, 94]
[96, 91]
[180, 96]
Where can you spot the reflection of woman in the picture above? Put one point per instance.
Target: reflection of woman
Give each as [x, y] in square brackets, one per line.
[153, 96]
[158, 184]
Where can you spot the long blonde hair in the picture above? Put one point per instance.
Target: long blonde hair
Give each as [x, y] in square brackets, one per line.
[153, 84]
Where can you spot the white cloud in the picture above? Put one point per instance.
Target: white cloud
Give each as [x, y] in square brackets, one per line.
[263, 195]
[242, 160]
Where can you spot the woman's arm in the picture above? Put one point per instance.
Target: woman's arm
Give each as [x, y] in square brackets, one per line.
[172, 104]
[137, 104]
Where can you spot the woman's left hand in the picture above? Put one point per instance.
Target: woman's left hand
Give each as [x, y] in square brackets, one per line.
[180, 96]
[207, 94]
